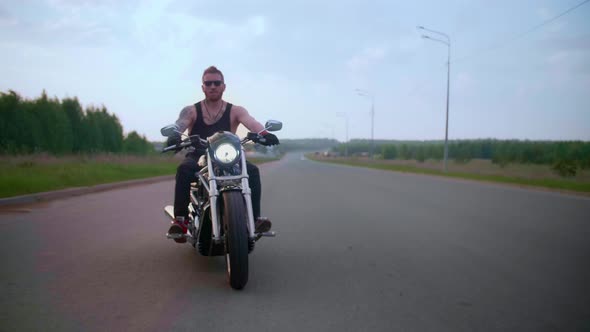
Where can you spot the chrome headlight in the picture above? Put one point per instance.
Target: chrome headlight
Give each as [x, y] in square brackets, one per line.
[226, 153]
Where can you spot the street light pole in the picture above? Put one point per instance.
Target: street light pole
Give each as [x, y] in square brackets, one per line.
[345, 116]
[446, 157]
[448, 43]
[368, 95]
[372, 153]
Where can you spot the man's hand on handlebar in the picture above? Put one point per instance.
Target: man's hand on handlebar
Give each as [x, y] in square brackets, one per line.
[267, 138]
[173, 140]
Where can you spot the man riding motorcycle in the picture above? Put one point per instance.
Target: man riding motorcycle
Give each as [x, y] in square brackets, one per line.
[205, 118]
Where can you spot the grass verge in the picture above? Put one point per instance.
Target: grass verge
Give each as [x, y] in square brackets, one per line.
[32, 174]
[554, 184]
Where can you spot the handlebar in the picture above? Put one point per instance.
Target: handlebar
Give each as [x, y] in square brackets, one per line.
[195, 140]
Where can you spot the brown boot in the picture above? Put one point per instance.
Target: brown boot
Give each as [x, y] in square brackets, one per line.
[262, 225]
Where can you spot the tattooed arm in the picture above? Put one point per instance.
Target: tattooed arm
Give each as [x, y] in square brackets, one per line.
[240, 115]
[187, 118]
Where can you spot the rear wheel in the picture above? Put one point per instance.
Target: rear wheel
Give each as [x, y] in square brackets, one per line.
[236, 238]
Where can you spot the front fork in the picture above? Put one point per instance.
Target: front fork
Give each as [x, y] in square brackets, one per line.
[247, 197]
[214, 196]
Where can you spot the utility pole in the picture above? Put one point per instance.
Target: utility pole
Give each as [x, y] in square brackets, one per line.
[372, 97]
[345, 116]
[448, 43]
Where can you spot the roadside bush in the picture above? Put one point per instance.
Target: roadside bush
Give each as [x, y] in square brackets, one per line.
[420, 154]
[137, 145]
[501, 152]
[389, 151]
[565, 168]
[405, 152]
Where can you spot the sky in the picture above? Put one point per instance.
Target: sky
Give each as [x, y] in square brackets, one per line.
[300, 62]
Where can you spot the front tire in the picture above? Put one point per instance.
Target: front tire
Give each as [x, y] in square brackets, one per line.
[236, 238]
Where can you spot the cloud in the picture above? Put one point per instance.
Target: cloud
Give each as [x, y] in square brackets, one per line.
[158, 23]
[257, 25]
[526, 90]
[321, 88]
[579, 43]
[464, 83]
[567, 56]
[76, 31]
[409, 42]
[59, 26]
[77, 4]
[569, 63]
[6, 19]
[403, 50]
[4, 13]
[544, 13]
[366, 58]
[74, 24]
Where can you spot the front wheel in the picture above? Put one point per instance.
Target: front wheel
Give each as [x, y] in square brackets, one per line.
[236, 238]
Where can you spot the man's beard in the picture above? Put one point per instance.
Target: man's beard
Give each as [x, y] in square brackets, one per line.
[214, 98]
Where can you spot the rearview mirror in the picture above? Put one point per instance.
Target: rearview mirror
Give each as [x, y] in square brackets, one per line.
[273, 125]
[169, 130]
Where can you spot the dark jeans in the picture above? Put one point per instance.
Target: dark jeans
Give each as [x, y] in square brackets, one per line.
[185, 174]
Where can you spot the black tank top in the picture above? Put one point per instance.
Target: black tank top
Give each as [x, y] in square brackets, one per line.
[203, 130]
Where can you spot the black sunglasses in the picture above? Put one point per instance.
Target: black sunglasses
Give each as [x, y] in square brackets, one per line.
[217, 83]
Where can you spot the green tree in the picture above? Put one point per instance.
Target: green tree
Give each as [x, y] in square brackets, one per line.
[54, 125]
[75, 114]
[420, 153]
[92, 137]
[435, 151]
[404, 152]
[136, 144]
[389, 151]
[112, 131]
[9, 103]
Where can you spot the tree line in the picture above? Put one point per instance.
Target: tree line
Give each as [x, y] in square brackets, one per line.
[562, 153]
[62, 127]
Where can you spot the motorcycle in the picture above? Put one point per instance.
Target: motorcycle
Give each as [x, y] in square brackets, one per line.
[221, 220]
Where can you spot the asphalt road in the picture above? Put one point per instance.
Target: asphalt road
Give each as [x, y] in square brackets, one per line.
[358, 250]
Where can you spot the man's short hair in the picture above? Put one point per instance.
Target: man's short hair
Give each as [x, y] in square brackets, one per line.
[213, 70]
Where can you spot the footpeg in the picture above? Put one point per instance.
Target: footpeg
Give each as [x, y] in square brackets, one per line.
[264, 234]
[176, 236]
